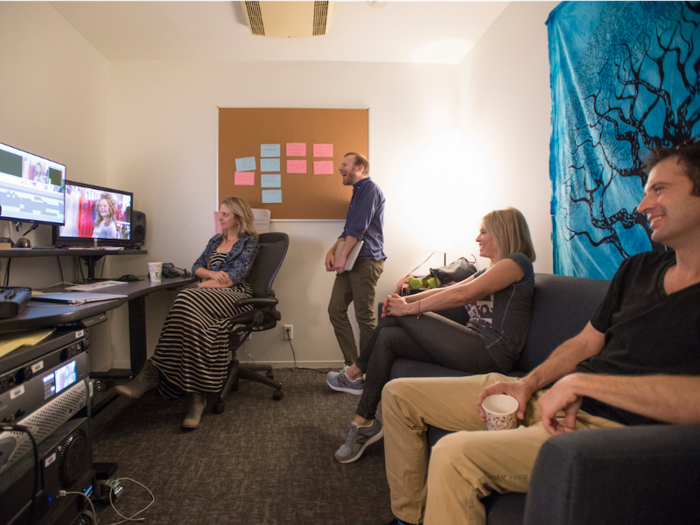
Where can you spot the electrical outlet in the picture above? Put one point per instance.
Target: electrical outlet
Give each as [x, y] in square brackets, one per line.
[288, 332]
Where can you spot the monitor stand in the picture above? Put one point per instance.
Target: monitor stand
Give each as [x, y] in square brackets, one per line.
[91, 262]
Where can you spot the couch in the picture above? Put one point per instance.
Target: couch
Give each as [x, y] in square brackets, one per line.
[635, 475]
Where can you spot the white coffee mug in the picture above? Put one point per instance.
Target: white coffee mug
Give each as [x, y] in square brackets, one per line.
[501, 412]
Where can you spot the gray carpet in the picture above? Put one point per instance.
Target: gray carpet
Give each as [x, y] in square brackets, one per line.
[260, 462]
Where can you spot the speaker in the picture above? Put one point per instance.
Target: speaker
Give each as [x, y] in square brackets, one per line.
[65, 463]
[139, 226]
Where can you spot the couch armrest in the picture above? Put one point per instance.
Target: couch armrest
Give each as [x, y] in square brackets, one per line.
[644, 474]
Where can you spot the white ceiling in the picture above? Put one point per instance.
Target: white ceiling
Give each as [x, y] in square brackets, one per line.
[421, 32]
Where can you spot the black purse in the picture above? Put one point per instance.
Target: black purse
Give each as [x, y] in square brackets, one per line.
[456, 271]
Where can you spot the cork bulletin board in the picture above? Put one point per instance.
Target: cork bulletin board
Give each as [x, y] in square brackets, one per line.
[307, 145]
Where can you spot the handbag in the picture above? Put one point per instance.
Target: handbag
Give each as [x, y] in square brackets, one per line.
[456, 271]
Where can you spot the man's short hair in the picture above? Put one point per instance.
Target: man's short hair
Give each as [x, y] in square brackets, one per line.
[360, 160]
[687, 153]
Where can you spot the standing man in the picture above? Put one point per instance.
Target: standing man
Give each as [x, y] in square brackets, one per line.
[636, 362]
[364, 222]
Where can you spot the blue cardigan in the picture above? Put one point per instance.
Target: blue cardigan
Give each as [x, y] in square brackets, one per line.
[238, 262]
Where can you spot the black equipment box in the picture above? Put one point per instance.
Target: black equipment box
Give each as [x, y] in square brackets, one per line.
[13, 300]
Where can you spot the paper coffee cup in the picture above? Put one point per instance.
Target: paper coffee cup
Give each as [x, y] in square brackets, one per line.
[500, 412]
[155, 271]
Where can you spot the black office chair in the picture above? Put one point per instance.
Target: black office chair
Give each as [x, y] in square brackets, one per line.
[263, 316]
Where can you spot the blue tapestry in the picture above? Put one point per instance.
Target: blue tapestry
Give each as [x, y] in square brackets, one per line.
[624, 79]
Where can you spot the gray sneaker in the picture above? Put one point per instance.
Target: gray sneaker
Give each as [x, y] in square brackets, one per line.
[359, 438]
[341, 382]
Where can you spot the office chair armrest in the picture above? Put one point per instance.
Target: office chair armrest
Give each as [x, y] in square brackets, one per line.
[260, 302]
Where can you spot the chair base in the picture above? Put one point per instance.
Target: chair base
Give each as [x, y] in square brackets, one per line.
[238, 371]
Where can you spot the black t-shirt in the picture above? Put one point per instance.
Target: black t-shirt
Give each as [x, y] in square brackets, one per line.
[647, 331]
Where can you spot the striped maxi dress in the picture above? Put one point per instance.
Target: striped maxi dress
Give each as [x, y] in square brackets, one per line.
[192, 353]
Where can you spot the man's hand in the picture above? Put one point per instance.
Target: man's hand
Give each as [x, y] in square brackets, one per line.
[330, 261]
[560, 397]
[339, 264]
[520, 390]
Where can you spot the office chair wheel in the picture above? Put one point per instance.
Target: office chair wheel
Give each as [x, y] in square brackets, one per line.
[277, 395]
[218, 408]
[269, 374]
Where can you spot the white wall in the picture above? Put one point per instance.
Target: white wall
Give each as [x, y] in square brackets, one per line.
[53, 102]
[505, 108]
[151, 127]
[163, 146]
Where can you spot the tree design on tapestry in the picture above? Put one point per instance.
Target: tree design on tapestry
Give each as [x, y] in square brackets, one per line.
[636, 88]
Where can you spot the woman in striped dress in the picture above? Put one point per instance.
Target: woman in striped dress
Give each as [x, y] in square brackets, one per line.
[192, 354]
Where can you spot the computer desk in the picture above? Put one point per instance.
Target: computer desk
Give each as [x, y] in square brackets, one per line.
[38, 315]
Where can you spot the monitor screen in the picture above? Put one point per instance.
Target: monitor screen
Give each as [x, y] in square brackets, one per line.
[32, 188]
[94, 212]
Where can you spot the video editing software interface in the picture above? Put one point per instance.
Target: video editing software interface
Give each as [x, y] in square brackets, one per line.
[32, 188]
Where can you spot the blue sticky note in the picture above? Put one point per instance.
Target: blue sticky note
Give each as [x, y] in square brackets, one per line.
[269, 150]
[269, 164]
[245, 164]
[272, 196]
[271, 181]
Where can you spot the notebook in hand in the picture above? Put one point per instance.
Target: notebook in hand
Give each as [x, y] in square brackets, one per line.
[75, 298]
[352, 256]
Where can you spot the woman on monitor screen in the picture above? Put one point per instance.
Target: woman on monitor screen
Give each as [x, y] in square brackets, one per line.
[191, 357]
[105, 225]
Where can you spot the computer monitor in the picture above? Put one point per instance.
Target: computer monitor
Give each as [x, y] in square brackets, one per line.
[32, 188]
[95, 213]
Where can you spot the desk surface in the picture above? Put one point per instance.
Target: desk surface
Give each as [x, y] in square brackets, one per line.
[43, 315]
[49, 252]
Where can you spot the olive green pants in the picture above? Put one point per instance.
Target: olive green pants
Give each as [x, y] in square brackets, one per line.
[356, 286]
[464, 466]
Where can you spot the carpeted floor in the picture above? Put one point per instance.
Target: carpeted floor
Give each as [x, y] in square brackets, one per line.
[260, 462]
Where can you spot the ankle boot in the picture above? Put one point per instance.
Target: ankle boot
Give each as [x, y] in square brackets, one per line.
[148, 378]
[198, 403]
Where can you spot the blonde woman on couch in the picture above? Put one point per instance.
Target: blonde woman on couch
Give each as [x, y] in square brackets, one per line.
[487, 336]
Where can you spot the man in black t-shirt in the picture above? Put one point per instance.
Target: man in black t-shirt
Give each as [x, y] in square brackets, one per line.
[636, 362]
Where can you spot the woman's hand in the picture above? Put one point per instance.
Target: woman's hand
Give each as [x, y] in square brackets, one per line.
[213, 283]
[221, 278]
[400, 284]
[397, 306]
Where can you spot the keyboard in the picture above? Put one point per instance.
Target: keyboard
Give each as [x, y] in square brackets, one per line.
[93, 287]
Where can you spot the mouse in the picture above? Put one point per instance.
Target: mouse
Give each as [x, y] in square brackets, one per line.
[23, 243]
[129, 278]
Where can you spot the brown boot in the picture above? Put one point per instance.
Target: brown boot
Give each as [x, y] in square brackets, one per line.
[148, 378]
[198, 402]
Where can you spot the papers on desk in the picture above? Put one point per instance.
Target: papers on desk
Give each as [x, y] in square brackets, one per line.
[75, 298]
[11, 342]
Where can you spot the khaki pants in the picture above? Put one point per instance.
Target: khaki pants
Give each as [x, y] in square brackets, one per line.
[464, 466]
[356, 286]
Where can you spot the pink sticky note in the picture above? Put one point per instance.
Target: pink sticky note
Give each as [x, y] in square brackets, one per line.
[217, 224]
[323, 167]
[244, 178]
[323, 150]
[296, 149]
[296, 166]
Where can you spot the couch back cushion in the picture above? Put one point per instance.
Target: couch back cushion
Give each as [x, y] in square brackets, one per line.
[561, 307]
